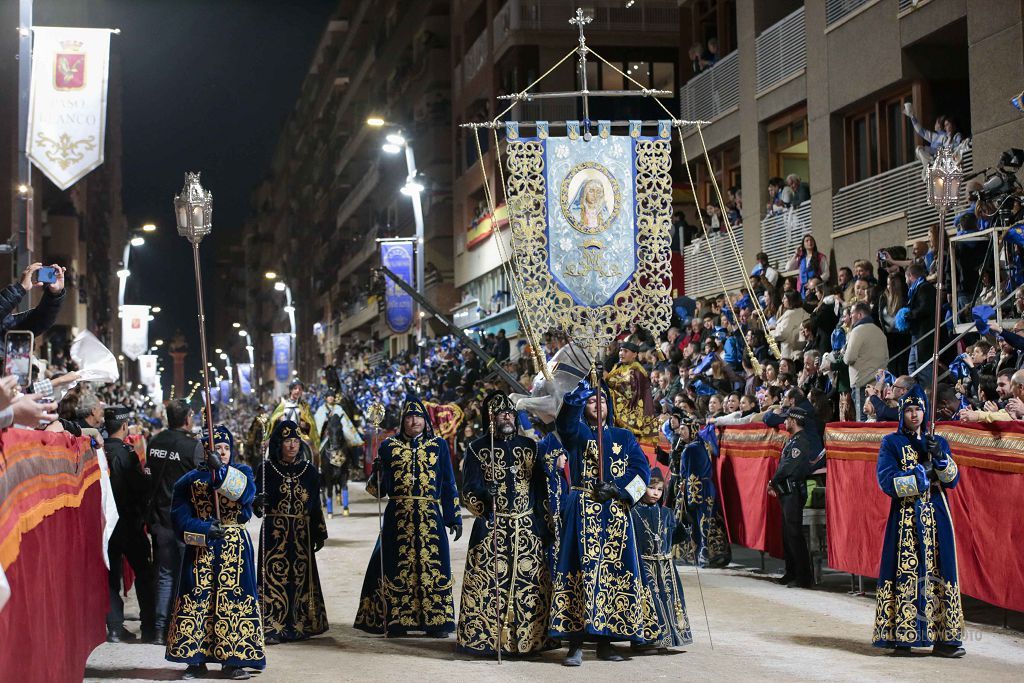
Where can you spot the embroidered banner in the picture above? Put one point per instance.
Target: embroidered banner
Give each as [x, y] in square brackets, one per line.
[282, 355]
[245, 378]
[134, 330]
[399, 307]
[68, 101]
[591, 219]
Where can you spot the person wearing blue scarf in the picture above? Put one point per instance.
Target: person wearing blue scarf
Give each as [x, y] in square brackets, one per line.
[918, 317]
[918, 601]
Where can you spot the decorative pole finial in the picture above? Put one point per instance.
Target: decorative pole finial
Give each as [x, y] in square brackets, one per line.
[579, 21]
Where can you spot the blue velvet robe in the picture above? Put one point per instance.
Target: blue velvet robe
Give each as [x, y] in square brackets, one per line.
[522, 596]
[417, 478]
[705, 541]
[292, 601]
[918, 595]
[597, 589]
[216, 616]
[656, 531]
[548, 450]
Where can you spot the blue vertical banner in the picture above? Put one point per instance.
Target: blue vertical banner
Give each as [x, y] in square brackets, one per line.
[245, 378]
[282, 355]
[399, 307]
[225, 390]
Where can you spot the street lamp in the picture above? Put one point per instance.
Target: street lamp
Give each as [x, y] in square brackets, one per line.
[248, 346]
[134, 240]
[943, 193]
[394, 143]
[270, 275]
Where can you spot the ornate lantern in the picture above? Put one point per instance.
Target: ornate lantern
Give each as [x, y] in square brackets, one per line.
[944, 179]
[193, 210]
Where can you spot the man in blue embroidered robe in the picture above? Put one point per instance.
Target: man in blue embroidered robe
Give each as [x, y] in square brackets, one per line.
[505, 487]
[597, 589]
[216, 616]
[415, 593]
[918, 596]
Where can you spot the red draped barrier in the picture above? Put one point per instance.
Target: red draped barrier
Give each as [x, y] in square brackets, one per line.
[51, 548]
[748, 457]
[985, 505]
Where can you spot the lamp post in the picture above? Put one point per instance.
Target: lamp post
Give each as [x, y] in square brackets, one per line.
[122, 275]
[394, 143]
[193, 211]
[289, 308]
[943, 193]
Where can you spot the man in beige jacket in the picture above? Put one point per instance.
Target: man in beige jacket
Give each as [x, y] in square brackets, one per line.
[866, 352]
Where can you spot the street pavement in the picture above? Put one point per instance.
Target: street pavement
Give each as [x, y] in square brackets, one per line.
[754, 629]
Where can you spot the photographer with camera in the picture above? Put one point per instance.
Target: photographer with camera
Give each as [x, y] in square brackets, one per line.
[41, 318]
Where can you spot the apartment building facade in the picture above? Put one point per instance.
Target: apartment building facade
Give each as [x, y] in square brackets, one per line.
[332, 192]
[819, 89]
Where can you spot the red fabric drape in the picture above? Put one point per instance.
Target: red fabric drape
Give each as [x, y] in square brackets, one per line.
[985, 505]
[57, 611]
[748, 457]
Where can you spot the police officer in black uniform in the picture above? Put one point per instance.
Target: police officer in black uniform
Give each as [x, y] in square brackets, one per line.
[130, 485]
[172, 454]
[789, 484]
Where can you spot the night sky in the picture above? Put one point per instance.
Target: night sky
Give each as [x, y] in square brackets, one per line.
[207, 86]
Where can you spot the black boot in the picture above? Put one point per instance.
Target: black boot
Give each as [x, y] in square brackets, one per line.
[607, 653]
[948, 650]
[575, 656]
[193, 671]
[235, 673]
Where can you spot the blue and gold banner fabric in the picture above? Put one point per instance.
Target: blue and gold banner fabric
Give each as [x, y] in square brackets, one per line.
[591, 217]
[399, 307]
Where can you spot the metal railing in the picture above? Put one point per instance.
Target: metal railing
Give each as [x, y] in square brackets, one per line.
[781, 51]
[475, 58]
[713, 92]
[901, 189]
[608, 15]
[781, 234]
[700, 276]
[837, 9]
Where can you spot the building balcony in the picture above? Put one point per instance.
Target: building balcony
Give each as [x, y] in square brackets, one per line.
[838, 10]
[782, 233]
[897, 193]
[359, 314]
[358, 195]
[713, 93]
[653, 16]
[700, 259]
[354, 261]
[475, 58]
[781, 52]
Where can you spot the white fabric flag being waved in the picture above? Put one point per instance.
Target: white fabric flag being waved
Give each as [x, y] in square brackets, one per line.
[68, 101]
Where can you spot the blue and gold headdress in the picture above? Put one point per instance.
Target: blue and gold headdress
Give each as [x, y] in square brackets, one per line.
[914, 398]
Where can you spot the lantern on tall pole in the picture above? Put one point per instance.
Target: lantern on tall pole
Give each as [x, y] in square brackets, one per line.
[943, 193]
[193, 211]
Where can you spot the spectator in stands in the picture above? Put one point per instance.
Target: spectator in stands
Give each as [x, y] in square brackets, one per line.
[944, 132]
[700, 59]
[866, 352]
[775, 203]
[501, 349]
[918, 316]
[787, 329]
[795, 192]
[891, 300]
[809, 261]
[844, 285]
[712, 50]
[1014, 409]
[764, 270]
[714, 217]
[885, 407]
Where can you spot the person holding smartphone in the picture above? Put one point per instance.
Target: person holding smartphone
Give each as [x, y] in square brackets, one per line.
[41, 318]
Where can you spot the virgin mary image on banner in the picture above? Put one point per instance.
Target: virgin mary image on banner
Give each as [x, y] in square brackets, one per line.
[593, 201]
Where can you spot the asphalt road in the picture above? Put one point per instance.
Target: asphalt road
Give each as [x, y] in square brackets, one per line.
[758, 631]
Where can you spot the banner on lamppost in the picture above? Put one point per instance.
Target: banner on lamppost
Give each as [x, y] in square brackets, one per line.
[282, 355]
[399, 307]
[134, 330]
[67, 117]
[148, 373]
[245, 378]
[225, 390]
